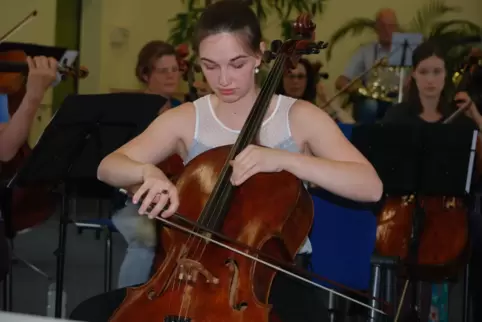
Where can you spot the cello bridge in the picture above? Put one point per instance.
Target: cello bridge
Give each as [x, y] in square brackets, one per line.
[189, 271]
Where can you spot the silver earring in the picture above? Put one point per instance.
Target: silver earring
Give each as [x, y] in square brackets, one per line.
[256, 70]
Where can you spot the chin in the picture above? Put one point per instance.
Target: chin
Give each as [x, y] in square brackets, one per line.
[432, 94]
[229, 98]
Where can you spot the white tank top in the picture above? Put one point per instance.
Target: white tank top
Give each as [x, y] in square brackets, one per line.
[275, 132]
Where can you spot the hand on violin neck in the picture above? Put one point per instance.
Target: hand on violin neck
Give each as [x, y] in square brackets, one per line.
[464, 101]
[155, 193]
[255, 159]
[42, 73]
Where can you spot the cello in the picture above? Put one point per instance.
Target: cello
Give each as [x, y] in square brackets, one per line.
[198, 269]
[34, 204]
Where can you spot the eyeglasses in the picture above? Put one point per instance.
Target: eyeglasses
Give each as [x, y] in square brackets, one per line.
[164, 71]
[296, 76]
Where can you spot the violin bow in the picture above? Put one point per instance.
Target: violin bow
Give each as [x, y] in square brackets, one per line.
[19, 25]
[278, 264]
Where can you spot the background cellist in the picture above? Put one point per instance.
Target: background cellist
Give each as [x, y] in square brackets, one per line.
[229, 43]
[14, 133]
[427, 102]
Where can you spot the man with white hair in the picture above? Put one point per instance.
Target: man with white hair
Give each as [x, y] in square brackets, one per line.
[364, 59]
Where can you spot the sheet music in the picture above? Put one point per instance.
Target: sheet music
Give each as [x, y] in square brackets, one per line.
[396, 51]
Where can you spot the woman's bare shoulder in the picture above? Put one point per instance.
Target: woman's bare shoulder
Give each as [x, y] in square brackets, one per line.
[305, 112]
[176, 116]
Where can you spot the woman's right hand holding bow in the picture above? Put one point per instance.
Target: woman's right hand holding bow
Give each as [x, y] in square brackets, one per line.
[155, 193]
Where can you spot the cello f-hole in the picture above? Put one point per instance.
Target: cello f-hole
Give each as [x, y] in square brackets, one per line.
[233, 286]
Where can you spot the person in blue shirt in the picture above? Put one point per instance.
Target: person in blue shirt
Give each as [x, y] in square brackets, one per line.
[14, 131]
[158, 69]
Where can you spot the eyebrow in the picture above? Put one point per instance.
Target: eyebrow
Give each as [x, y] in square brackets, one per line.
[231, 60]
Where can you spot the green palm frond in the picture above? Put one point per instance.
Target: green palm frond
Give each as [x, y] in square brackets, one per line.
[428, 14]
[286, 29]
[184, 24]
[355, 26]
[453, 48]
[318, 7]
[261, 11]
[466, 26]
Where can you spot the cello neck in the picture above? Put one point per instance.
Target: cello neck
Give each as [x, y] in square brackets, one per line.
[217, 206]
[255, 118]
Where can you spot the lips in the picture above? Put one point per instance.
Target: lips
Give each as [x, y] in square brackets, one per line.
[226, 91]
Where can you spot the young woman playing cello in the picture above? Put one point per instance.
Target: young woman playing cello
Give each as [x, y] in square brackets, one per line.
[229, 45]
[427, 102]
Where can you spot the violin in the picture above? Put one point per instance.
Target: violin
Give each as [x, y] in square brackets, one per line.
[34, 204]
[226, 243]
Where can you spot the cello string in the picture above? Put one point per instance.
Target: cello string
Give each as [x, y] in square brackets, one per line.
[216, 207]
[260, 116]
[265, 95]
[280, 269]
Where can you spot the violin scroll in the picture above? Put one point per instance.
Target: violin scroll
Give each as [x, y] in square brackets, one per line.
[80, 73]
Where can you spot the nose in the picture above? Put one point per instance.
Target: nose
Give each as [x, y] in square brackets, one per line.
[224, 78]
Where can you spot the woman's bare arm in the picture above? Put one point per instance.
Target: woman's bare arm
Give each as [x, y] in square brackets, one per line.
[337, 165]
[128, 165]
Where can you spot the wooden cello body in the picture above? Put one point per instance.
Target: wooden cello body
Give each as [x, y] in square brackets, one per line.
[276, 222]
[442, 243]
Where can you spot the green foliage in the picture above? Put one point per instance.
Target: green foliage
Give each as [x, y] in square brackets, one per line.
[183, 28]
[183, 23]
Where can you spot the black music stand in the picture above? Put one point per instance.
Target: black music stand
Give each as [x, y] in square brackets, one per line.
[84, 130]
[431, 159]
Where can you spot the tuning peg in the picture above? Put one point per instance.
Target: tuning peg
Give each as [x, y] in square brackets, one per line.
[276, 45]
[268, 56]
[321, 45]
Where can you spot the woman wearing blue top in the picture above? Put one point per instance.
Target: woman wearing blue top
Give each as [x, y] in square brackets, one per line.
[158, 69]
